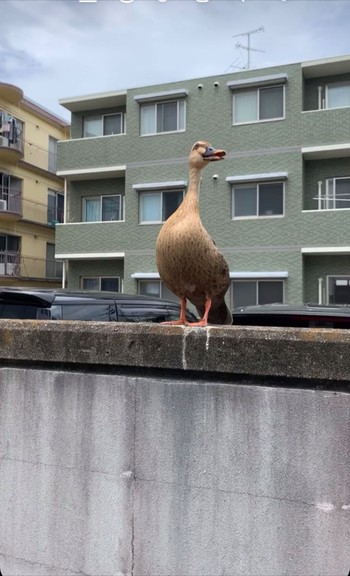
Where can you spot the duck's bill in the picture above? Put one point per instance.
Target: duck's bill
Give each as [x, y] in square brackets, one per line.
[213, 155]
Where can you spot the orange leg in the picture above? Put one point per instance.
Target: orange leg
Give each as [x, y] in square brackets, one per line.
[182, 320]
[204, 320]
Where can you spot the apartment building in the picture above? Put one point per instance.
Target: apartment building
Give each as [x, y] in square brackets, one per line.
[278, 206]
[31, 194]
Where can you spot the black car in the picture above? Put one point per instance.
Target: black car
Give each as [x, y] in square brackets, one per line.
[61, 304]
[304, 315]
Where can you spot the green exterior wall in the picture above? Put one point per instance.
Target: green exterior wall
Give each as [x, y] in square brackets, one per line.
[250, 245]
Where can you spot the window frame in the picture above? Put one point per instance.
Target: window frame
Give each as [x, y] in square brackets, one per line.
[257, 216]
[102, 117]
[257, 89]
[331, 199]
[162, 289]
[331, 85]
[143, 193]
[54, 193]
[52, 154]
[161, 102]
[256, 282]
[334, 277]
[100, 197]
[99, 279]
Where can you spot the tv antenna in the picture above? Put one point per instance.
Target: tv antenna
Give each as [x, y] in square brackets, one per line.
[248, 46]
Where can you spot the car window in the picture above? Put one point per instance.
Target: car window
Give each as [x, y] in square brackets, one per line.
[86, 311]
[18, 311]
[132, 313]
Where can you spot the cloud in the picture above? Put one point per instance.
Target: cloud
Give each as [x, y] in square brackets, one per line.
[59, 48]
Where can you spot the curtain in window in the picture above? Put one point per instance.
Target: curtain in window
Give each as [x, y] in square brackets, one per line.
[151, 208]
[338, 96]
[92, 126]
[167, 117]
[245, 106]
[244, 201]
[149, 288]
[91, 283]
[92, 210]
[148, 119]
[51, 207]
[271, 103]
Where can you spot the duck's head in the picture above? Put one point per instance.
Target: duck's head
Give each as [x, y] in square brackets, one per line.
[202, 153]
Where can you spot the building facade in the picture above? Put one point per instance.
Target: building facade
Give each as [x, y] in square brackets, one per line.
[278, 206]
[31, 194]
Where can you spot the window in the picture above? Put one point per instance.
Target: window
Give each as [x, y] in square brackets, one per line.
[338, 289]
[53, 266]
[103, 312]
[258, 200]
[258, 104]
[156, 207]
[248, 293]
[337, 193]
[105, 125]
[52, 154]
[11, 131]
[10, 192]
[55, 206]
[110, 283]
[338, 95]
[102, 208]
[156, 289]
[9, 255]
[162, 117]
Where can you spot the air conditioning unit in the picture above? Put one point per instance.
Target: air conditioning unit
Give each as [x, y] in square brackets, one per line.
[3, 205]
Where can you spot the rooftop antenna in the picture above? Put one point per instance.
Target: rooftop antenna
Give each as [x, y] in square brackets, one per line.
[248, 47]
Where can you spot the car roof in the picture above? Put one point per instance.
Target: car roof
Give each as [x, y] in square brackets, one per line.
[292, 309]
[47, 296]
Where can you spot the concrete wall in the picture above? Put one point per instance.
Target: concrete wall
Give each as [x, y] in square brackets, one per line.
[149, 450]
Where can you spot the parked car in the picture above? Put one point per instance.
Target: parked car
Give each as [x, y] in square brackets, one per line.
[304, 315]
[61, 304]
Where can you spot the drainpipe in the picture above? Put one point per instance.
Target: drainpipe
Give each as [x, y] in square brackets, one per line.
[319, 195]
[320, 282]
[320, 97]
[64, 263]
[65, 202]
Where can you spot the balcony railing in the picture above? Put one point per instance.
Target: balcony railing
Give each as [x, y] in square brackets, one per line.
[13, 264]
[10, 201]
[331, 198]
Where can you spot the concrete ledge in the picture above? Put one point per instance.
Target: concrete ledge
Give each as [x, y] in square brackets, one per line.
[307, 353]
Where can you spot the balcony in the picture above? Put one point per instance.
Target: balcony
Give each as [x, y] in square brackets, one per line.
[84, 156]
[10, 151]
[324, 128]
[13, 265]
[95, 238]
[10, 205]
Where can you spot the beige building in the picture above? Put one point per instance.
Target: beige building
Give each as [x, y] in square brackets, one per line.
[31, 195]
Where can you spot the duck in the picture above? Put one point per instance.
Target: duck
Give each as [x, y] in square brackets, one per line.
[188, 260]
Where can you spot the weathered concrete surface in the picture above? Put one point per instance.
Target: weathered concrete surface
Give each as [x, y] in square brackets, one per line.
[106, 474]
[307, 353]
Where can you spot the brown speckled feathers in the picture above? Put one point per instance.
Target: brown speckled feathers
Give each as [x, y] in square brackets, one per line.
[188, 261]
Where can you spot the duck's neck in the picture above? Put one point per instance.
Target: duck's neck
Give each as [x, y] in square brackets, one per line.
[192, 196]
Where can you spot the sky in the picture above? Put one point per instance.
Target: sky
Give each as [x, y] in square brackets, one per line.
[55, 49]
